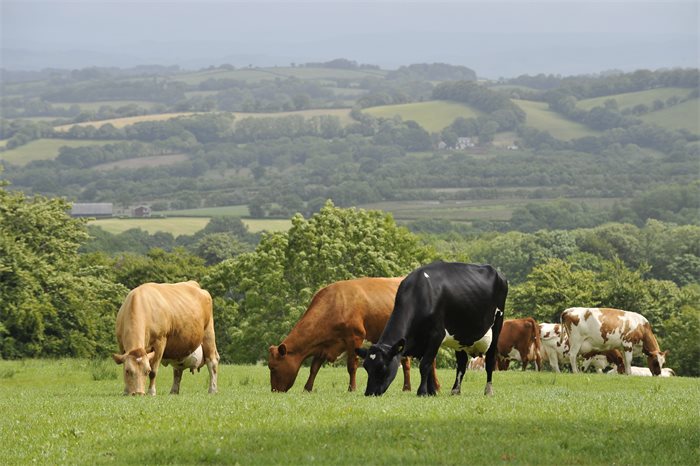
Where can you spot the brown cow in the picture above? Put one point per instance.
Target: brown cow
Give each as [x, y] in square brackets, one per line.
[339, 319]
[519, 340]
[172, 323]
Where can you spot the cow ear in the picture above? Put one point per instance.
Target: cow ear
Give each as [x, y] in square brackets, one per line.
[151, 356]
[282, 349]
[361, 352]
[398, 347]
[119, 358]
[666, 352]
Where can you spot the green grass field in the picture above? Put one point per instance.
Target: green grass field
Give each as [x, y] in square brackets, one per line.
[342, 113]
[95, 106]
[433, 115]
[540, 117]
[183, 225]
[260, 74]
[235, 210]
[122, 122]
[141, 162]
[684, 115]
[43, 149]
[630, 99]
[72, 412]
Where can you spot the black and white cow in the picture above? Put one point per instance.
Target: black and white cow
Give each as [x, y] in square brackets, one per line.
[452, 304]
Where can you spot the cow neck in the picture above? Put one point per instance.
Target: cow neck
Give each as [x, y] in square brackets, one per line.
[302, 340]
[396, 328]
[649, 343]
[136, 336]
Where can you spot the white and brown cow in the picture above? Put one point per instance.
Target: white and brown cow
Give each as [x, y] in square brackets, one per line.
[520, 341]
[553, 347]
[169, 323]
[603, 329]
[645, 372]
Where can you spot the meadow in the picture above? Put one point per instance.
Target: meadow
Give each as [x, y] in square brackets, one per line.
[685, 115]
[434, 115]
[540, 117]
[126, 121]
[72, 412]
[43, 149]
[630, 99]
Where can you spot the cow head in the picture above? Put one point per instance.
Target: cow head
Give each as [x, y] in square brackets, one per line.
[137, 367]
[656, 361]
[283, 368]
[381, 363]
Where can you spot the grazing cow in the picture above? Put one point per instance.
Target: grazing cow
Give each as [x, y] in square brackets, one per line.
[456, 305]
[554, 347]
[169, 323]
[604, 329]
[519, 340]
[339, 319]
[477, 363]
[601, 361]
[645, 372]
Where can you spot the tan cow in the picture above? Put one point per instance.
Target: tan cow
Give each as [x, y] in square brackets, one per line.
[519, 340]
[603, 329]
[169, 323]
[340, 318]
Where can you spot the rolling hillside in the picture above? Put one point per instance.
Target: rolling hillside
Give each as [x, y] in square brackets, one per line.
[261, 74]
[126, 121]
[630, 99]
[433, 115]
[539, 116]
[43, 149]
[685, 115]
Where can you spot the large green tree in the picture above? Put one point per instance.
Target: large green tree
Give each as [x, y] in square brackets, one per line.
[259, 296]
[51, 303]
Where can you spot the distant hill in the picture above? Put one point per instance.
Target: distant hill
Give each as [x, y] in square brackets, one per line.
[540, 117]
[434, 115]
[630, 99]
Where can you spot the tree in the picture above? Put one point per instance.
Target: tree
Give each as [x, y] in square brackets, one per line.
[269, 288]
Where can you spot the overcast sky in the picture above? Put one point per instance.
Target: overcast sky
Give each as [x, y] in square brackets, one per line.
[494, 38]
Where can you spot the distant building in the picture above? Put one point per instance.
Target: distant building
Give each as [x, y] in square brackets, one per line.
[141, 211]
[96, 209]
[464, 143]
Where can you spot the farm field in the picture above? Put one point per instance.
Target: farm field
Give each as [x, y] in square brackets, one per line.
[540, 117]
[465, 211]
[182, 225]
[259, 74]
[630, 99]
[235, 210]
[684, 115]
[122, 122]
[95, 106]
[43, 149]
[433, 115]
[342, 113]
[72, 412]
[141, 162]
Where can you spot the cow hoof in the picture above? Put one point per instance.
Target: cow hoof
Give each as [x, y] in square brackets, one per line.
[406, 389]
[456, 392]
[488, 391]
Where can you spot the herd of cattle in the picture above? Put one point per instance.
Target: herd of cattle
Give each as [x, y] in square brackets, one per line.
[386, 321]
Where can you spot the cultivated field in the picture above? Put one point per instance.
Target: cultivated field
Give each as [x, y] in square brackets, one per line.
[685, 115]
[630, 99]
[183, 225]
[342, 113]
[126, 121]
[142, 162]
[43, 149]
[72, 412]
[433, 115]
[539, 116]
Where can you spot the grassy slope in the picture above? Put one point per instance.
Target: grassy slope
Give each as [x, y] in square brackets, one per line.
[258, 74]
[95, 106]
[55, 413]
[342, 113]
[539, 116]
[141, 162]
[630, 99]
[433, 115]
[43, 149]
[685, 115]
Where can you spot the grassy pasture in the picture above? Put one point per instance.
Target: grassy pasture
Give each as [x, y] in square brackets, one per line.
[72, 412]
[342, 113]
[126, 121]
[43, 149]
[235, 210]
[182, 225]
[433, 115]
[141, 162]
[684, 115]
[540, 117]
[630, 99]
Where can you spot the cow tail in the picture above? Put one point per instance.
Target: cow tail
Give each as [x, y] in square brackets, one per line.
[536, 339]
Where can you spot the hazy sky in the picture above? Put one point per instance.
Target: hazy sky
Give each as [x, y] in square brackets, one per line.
[496, 37]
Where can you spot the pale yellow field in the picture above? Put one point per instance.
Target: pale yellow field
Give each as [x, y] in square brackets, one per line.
[183, 225]
[126, 121]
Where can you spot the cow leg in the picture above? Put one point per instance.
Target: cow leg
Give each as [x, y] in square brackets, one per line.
[211, 357]
[427, 381]
[352, 369]
[461, 370]
[628, 361]
[406, 365]
[158, 349]
[573, 354]
[554, 362]
[490, 362]
[435, 378]
[524, 360]
[316, 364]
[177, 377]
